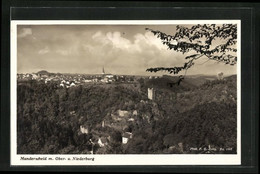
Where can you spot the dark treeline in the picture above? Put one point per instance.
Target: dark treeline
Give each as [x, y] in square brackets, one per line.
[49, 117]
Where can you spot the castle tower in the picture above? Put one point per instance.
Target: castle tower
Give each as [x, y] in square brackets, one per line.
[151, 93]
[220, 76]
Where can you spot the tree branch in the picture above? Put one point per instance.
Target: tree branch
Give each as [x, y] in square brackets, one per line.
[196, 33]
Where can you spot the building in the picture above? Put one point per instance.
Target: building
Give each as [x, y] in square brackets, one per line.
[123, 113]
[115, 117]
[102, 141]
[135, 113]
[103, 123]
[126, 136]
[83, 129]
[72, 113]
[131, 119]
[35, 76]
[220, 76]
[151, 93]
[88, 81]
[72, 84]
[107, 78]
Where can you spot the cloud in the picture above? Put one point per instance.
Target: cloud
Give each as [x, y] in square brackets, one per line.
[44, 51]
[120, 49]
[24, 32]
[118, 41]
[113, 39]
[130, 55]
[148, 39]
[141, 42]
[62, 52]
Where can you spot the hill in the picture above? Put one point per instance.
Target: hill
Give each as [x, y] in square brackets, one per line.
[43, 72]
[200, 79]
[168, 83]
[183, 116]
[209, 123]
[193, 91]
[189, 82]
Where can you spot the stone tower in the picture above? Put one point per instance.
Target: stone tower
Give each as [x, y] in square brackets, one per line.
[220, 76]
[151, 93]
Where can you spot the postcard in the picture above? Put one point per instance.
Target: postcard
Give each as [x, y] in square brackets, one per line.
[125, 92]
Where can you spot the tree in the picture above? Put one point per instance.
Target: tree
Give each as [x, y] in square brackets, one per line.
[199, 42]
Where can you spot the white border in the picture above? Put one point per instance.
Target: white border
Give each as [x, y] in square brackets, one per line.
[167, 159]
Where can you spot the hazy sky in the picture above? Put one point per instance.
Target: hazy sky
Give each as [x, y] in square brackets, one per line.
[121, 49]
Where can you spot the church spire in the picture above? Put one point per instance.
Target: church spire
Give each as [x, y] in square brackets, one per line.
[103, 70]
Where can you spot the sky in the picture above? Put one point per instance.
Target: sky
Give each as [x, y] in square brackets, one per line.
[120, 49]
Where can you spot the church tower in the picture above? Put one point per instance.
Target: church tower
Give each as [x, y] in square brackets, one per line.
[103, 71]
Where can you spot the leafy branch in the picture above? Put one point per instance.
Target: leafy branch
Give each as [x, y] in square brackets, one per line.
[199, 38]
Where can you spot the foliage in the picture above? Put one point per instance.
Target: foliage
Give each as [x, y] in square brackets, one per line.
[199, 41]
[46, 123]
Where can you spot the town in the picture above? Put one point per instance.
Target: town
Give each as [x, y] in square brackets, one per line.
[70, 80]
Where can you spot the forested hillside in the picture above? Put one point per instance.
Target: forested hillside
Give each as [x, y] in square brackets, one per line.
[178, 119]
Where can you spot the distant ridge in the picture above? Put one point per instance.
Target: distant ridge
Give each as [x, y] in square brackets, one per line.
[164, 81]
[189, 82]
[43, 72]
